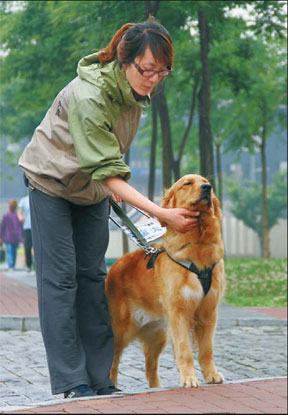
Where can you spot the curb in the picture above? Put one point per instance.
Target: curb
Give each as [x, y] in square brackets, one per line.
[21, 323]
[250, 322]
[53, 402]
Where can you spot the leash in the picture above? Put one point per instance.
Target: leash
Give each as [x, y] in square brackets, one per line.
[140, 240]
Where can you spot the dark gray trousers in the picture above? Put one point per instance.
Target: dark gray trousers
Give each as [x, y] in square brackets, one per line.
[69, 243]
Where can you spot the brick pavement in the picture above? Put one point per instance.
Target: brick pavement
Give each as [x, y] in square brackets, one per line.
[17, 299]
[278, 312]
[256, 397]
[261, 396]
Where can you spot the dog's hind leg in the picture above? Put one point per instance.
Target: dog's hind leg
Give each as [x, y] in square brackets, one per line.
[154, 340]
[121, 341]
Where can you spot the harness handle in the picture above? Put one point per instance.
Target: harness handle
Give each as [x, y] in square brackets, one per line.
[141, 241]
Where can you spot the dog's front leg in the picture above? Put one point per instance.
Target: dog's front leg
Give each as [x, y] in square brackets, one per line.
[180, 330]
[204, 336]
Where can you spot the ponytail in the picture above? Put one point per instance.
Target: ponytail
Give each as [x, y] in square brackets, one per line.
[109, 53]
[132, 39]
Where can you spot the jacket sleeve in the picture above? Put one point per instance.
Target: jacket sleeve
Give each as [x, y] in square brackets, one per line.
[97, 148]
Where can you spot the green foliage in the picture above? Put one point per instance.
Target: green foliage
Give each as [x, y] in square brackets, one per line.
[247, 206]
[43, 41]
[250, 89]
[256, 282]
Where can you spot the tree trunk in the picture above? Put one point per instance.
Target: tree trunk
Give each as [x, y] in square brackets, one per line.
[205, 134]
[177, 163]
[151, 8]
[167, 152]
[152, 162]
[219, 174]
[265, 226]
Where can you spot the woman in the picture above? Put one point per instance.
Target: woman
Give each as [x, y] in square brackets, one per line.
[74, 164]
[11, 233]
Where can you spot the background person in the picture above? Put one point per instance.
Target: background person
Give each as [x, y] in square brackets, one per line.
[73, 164]
[25, 219]
[11, 233]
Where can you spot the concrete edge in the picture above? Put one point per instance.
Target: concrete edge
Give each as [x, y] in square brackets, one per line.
[21, 323]
[250, 322]
[53, 402]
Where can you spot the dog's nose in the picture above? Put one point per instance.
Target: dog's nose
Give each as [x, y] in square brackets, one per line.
[206, 188]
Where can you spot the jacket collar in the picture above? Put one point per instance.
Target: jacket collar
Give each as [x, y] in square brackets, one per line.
[111, 77]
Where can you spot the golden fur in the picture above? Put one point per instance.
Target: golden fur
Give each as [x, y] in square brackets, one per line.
[146, 303]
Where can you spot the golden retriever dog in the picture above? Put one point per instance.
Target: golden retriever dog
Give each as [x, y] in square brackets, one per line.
[148, 304]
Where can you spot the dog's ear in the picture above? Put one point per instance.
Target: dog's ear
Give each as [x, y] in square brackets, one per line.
[217, 208]
[168, 201]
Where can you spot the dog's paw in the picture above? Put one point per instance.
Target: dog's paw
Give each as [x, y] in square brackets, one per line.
[215, 377]
[189, 381]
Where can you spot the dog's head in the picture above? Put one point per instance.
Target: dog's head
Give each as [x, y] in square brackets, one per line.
[192, 192]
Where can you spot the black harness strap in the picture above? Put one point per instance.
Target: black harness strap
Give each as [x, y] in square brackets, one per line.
[204, 276]
[153, 257]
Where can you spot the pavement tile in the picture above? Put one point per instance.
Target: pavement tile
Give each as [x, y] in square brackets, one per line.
[17, 299]
[249, 351]
[278, 312]
[197, 402]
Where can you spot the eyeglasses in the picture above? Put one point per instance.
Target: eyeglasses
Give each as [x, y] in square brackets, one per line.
[150, 73]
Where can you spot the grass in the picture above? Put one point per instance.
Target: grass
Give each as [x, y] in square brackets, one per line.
[251, 282]
[256, 282]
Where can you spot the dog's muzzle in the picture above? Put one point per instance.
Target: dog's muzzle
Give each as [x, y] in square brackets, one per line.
[206, 189]
[206, 193]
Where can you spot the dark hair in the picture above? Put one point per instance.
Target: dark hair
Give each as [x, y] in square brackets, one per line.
[132, 39]
[13, 205]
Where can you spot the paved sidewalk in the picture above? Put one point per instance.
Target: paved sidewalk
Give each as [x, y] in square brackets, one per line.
[250, 351]
[19, 308]
[256, 397]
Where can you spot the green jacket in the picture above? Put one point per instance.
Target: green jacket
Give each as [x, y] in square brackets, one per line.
[84, 134]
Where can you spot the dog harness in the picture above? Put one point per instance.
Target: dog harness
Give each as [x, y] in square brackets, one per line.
[204, 275]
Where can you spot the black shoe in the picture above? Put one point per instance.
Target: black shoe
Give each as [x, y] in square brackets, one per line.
[79, 391]
[108, 390]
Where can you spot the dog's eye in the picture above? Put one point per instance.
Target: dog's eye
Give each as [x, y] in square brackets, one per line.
[188, 183]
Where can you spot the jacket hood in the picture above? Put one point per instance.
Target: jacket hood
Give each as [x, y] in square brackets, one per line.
[111, 77]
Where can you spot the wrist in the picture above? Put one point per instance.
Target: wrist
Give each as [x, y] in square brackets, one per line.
[161, 214]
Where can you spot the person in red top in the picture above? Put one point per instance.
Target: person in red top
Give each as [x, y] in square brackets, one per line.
[11, 233]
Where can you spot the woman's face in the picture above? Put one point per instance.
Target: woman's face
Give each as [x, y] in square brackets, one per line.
[141, 84]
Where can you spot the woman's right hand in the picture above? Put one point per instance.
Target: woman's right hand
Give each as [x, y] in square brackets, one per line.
[182, 220]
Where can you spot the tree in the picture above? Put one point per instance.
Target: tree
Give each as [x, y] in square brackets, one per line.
[246, 203]
[43, 41]
[205, 133]
[259, 109]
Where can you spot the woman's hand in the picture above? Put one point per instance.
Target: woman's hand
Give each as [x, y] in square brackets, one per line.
[116, 198]
[182, 220]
